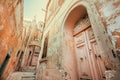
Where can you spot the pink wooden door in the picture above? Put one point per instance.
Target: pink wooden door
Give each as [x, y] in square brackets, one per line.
[90, 65]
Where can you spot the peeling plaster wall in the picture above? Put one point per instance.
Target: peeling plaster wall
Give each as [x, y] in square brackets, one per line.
[54, 37]
[11, 15]
[109, 15]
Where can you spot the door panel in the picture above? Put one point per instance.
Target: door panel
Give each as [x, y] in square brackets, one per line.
[84, 68]
[90, 33]
[90, 65]
[82, 57]
[98, 63]
[79, 39]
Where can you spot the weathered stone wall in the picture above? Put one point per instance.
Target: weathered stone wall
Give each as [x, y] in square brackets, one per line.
[108, 14]
[11, 17]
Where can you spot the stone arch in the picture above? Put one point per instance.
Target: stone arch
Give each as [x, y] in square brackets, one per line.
[99, 31]
[95, 21]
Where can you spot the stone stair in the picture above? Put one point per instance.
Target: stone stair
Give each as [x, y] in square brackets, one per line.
[28, 73]
[28, 76]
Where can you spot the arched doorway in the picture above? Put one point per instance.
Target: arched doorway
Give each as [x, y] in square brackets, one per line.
[82, 51]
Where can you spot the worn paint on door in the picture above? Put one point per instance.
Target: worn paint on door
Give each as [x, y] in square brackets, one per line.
[90, 65]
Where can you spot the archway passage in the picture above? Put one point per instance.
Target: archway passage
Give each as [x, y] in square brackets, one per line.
[83, 46]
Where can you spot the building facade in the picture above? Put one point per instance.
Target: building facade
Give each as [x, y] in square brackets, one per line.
[32, 43]
[29, 52]
[80, 41]
[19, 39]
[11, 17]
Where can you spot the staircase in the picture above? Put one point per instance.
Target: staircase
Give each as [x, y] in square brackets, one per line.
[28, 76]
[28, 73]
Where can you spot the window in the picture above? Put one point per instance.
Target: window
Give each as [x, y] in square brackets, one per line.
[45, 47]
[18, 53]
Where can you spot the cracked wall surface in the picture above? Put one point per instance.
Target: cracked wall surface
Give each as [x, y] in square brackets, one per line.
[11, 15]
[107, 14]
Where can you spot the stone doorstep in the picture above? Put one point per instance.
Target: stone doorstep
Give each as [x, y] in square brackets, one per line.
[28, 79]
[21, 75]
[28, 73]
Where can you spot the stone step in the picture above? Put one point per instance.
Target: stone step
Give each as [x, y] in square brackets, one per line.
[22, 76]
[27, 78]
[28, 73]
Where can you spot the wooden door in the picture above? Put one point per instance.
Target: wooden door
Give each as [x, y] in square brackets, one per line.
[90, 66]
[98, 66]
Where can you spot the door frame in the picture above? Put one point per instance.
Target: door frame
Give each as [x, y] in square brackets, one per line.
[94, 68]
[95, 20]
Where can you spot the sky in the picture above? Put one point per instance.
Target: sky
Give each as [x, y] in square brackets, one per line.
[35, 9]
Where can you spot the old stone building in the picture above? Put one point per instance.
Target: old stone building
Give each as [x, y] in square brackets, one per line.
[80, 41]
[11, 16]
[27, 62]
[19, 41]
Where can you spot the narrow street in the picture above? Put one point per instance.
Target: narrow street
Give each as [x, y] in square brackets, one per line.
[59, 39]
